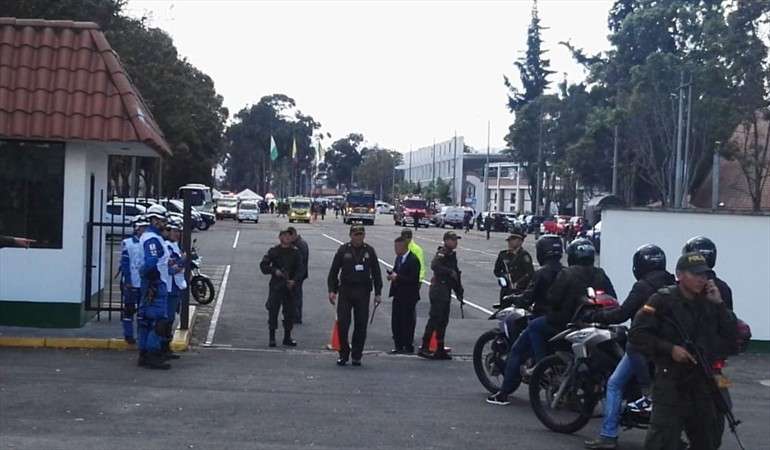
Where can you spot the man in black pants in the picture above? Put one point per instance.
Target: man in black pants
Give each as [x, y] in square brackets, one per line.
[405, 290]
[304, 250]
[284, 263]
[446, 278]
[355, 269]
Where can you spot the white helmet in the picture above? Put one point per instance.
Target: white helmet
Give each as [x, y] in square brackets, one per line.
[141, 221]
[157, 212]
[175, 223]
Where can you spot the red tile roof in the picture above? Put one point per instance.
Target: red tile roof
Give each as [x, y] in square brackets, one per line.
[61, 80]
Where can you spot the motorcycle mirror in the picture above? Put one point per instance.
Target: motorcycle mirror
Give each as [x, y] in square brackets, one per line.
[591, 293]
[502, 282]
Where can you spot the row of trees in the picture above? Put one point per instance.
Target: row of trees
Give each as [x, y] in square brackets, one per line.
[632, 99]
[182, 99]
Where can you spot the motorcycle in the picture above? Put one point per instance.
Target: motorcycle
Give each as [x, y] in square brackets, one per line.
[491, 349]
[201, 287]
[566, 387]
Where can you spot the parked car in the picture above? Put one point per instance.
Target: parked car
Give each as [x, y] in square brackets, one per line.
[248, 211]
[384, 208]
[201, 220]
[120, 215]
[449, 216]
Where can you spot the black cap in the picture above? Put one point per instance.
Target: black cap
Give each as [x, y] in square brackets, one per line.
[692, 262]
[284, 231]
[451, 235]
[406, 233]
[357, 229]
[515, 236]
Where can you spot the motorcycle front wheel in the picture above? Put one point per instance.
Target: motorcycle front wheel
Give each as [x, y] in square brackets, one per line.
[489, 355]
[202, 289]
[575, 405]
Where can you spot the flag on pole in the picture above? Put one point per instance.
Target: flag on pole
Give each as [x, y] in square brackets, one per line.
[294, 149]
[273, 149]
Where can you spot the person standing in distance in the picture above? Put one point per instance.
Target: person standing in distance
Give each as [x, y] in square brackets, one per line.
[284, 265]
[514, 264]
[405, 290]
[131, 260]
[354, 271]
[414, 249]
[446, 278]
[693, 309]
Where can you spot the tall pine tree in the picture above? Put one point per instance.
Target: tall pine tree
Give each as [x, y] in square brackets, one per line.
[533, 68]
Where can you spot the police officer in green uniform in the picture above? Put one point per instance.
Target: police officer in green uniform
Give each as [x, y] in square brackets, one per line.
[355, 270]
[693, 308]
[446, 278]
[285, 266]
[514, 264]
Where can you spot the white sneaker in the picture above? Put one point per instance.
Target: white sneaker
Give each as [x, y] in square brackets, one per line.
[642, 404]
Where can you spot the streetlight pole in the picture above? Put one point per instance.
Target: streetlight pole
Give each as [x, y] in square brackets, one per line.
[679, 166]
[485, 195]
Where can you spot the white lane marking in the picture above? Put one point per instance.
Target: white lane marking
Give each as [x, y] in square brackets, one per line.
[237, 235]
[765, 383]
[390, 266]
[217, 308]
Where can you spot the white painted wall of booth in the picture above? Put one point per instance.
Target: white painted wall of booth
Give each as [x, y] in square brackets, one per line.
[743, 252]
[57, 275]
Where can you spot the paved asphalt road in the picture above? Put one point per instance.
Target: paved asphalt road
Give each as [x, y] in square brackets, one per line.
[238, 394]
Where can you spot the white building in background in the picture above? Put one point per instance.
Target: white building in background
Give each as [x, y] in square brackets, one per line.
[447, 160]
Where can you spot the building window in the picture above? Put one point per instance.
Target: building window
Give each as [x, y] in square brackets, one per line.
[513, 197]
[32, 204]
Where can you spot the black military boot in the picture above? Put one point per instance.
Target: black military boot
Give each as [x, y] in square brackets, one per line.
[155, 360]
[272, 338]
[142, 361]
[287, 340]
[166, 351]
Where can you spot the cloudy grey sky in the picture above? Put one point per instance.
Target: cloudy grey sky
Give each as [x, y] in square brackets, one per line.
[400, 72]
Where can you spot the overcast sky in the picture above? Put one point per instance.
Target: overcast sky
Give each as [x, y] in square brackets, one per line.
[403, 73]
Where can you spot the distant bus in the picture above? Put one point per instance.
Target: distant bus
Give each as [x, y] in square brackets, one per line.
[359, 207]
[200, 196]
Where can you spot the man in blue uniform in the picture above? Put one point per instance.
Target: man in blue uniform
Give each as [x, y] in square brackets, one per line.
[131, 261]
[176, 266]
[152, 316]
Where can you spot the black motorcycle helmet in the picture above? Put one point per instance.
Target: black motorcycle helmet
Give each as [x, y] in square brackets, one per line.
[548, 247]
[703, 245]
[581, 252]
[648, 257]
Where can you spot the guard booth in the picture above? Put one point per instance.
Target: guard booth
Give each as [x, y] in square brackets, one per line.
[68, 107]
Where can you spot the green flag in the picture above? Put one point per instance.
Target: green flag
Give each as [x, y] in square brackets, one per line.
[273, 149]
[320, 152]
[294, 149]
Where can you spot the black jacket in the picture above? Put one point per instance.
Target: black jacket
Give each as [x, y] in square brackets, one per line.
[301, 244]
[286, 259]
[640, 293]
[407, 283]
[343, 270]
[536, 292]
[447, 277]
[569, 290]
[711, 327]
[516, 267]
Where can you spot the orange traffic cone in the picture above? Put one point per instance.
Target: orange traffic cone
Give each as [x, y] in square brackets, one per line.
[334, 343]
[433, 344]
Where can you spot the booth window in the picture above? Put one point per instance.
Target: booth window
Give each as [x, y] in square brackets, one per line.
[32, 176]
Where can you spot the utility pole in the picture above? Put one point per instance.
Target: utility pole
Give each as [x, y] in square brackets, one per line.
[615, 162]
[485, 194]
[536, 209]
[679, 165]
[715, 176]
[454, 173]
[433, 170]
[686, 177]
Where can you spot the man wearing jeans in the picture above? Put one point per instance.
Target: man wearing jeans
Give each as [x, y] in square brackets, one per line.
[649, 267]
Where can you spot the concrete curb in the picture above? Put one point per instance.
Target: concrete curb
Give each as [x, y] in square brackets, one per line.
[180, 342]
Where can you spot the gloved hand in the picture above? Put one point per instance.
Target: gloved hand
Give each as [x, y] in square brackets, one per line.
[520, 302]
